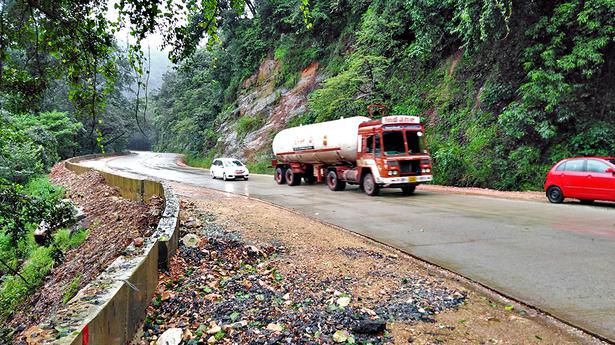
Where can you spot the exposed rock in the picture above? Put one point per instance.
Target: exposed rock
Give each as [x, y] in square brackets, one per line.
[274, 327]
[343, 301]
[138, 242]
[172, 336]
[260, 97]
[342, 336]
[370, 326]
[191, 240]
[213, 329]
[41, 232]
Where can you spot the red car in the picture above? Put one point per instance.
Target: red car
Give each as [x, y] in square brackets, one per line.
[583, 178]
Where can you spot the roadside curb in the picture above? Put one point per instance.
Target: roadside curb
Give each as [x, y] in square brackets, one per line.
[110, 308]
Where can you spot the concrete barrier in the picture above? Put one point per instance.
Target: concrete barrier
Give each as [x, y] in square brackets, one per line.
[110, 309]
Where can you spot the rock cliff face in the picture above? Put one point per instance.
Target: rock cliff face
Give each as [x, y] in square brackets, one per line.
[271, 106]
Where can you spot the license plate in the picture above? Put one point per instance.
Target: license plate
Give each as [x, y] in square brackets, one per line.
[412, 179]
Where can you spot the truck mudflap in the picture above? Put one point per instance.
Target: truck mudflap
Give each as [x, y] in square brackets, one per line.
[387, 181]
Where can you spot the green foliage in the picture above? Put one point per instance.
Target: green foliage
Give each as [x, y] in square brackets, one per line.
[506, 89]
[25, 263]
[247, 124]
[199, 161]
[351, 91]
[563, 69]
[63, 239]
[20, 157]
[260, 167]
[14, 289]
[71, 290]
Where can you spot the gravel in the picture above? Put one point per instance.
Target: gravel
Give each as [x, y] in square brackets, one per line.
[228, 291]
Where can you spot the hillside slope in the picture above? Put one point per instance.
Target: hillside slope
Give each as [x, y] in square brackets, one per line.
[506, 89]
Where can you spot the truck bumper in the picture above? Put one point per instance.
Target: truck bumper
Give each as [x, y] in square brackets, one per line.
[389, 181]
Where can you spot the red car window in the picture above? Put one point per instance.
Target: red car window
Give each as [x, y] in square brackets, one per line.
[596, 166]
[561, 167]
[575, 165]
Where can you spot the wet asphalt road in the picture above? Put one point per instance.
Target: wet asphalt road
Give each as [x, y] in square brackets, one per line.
[558, 258]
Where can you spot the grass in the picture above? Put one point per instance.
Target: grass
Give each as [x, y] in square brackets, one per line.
[247, 124]
[15, 290]
[198, 161]
[64, 240]
[260, 168]
[71, 290]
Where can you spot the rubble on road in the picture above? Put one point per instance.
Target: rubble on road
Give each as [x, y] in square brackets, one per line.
[221, 289]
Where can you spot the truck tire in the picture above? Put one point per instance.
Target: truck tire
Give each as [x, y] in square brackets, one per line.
[278, 176]
[370, 186]
[333, 181]
[408, 190]
[292, 178]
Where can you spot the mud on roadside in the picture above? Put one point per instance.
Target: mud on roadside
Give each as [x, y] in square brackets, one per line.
[112, 224]
[253, 273]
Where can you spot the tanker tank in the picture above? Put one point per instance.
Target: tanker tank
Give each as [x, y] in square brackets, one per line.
[331, 142]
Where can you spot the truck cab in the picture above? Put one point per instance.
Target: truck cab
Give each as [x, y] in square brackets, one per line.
[394, 151]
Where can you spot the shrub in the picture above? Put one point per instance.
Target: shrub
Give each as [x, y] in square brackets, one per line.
[260, 167]
[71, 290]
[198, 161]
[247, 124]
[15, 288]
[20, 158]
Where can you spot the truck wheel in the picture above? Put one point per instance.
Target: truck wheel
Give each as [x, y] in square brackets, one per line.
[292, 178]
[334, 183]
[408, 190]
[369, 185]
[309, 179]
[279, 175]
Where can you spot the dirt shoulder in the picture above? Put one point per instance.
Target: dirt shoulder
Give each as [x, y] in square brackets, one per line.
[252, 273]
[112, 223]
[529, 195]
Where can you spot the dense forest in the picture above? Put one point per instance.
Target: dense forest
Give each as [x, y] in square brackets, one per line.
[506, 87]
[68, 87]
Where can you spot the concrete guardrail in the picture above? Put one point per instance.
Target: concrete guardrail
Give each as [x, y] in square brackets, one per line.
[110, 309]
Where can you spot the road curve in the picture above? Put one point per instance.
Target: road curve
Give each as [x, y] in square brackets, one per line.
[558, 258]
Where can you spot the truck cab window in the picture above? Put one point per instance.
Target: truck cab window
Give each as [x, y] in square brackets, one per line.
[394, 143]
[416, 142]
[369, 144]
[377, 145]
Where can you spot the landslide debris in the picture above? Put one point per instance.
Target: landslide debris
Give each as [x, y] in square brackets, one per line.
[222, 289]
[112, 223]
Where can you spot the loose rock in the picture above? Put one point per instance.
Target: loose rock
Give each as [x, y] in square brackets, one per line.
[368, 326]
[172, 336]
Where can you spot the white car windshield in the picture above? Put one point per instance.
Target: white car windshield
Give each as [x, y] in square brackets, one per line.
[237, 163]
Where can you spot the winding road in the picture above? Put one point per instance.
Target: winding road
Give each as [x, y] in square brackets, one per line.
[558, 258]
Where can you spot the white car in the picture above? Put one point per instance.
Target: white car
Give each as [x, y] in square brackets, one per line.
[228, 168]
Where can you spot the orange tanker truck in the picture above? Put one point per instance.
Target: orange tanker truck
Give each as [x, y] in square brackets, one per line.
[390, 152]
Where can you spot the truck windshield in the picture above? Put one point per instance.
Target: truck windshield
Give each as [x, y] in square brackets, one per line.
[416, 142]
[394, 143]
